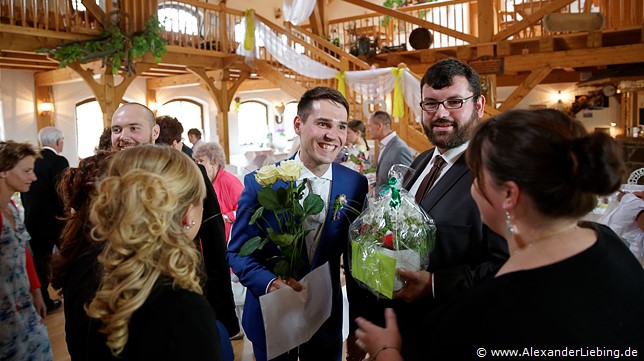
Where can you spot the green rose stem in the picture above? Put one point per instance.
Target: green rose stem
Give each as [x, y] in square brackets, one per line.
[289, 214]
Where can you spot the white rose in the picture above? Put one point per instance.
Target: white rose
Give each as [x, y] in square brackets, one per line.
[289, 170]
[266, 175]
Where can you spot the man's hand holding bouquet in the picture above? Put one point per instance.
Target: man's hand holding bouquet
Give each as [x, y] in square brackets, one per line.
[291, 209]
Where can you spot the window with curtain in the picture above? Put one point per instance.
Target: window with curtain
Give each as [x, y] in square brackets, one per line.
[78, 4]
[188, 112]
[179, 17]
[253, 123]
[89, 126]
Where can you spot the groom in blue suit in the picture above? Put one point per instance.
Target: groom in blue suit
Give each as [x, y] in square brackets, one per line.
[321, 123]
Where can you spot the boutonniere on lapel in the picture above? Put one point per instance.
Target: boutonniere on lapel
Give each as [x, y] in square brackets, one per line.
[340, 204]
[291, 209]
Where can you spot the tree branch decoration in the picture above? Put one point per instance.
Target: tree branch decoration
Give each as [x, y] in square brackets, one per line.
[115, 47]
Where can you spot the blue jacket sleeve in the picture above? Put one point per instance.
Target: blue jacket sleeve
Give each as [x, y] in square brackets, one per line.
[252, 272]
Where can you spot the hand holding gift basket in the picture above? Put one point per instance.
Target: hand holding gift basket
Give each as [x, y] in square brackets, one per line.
[392, 232]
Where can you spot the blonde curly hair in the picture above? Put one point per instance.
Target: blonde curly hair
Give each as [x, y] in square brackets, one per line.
[138, 209]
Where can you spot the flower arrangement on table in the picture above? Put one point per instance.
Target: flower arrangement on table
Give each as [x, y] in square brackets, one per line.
[361, 161]
[291, 209]
[393, 232]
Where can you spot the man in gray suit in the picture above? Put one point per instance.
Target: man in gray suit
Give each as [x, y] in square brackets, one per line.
[393, 150]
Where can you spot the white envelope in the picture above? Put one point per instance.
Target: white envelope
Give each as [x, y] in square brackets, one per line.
[291, 318]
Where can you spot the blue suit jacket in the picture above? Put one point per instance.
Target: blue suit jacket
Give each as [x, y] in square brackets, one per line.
[255, 272]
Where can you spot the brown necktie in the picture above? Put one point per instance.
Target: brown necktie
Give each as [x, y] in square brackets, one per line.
[430, 178]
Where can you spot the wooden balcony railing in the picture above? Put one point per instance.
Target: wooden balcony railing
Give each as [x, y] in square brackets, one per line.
[200, 25]
[209, 27]
[371, 33]
[56, 15]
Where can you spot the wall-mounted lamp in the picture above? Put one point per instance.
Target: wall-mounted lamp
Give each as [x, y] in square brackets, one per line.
[279, 113]
[559, 98]
[45, 107]
[279, 109]
[237, 104]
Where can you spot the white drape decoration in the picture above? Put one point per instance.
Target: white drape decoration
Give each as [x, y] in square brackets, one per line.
[282, 52]
[298, 11]
[377, 83]
[373, 83]
[411, 92]
[249, 54]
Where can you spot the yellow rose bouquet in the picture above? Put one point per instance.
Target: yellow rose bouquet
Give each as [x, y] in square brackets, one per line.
[291, 209]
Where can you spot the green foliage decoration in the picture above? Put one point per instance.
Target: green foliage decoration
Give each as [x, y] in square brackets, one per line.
[115, 47]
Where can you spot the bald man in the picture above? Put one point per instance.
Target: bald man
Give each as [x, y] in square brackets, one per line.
[134, 124]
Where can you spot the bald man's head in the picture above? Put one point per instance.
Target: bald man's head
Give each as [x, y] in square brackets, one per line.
[133, 124]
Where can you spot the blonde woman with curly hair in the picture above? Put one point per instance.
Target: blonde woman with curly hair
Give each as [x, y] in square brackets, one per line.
[149, 208]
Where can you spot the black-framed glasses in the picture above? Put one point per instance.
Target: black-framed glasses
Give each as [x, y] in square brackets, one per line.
[432, 105]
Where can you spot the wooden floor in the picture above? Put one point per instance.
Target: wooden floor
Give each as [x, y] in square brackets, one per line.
[56, 328]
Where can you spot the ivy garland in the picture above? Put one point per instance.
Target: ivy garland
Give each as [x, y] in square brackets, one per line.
[114, 47]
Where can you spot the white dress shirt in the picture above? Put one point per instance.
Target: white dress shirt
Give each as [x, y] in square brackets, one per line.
[322, 187]
[383, 143]
[450, 157]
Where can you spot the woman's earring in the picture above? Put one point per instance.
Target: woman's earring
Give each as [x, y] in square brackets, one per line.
[508, 224]
[192, 224]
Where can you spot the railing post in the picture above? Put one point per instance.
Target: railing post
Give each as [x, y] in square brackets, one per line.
[486, 16]
[223, 28]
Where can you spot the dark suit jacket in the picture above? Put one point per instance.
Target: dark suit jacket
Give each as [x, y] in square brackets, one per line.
[396, 152]
[42, 204]
[466, 252]
[212, 234]
[255, 272]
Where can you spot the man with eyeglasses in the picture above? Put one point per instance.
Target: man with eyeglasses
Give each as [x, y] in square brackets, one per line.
[466, 251]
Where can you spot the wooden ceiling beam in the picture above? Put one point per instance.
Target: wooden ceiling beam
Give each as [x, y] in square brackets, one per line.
[612, 55]
[64, 75]
[27, 65]
[532, 80]
[182, 80]
[256, 85]
[318, 21]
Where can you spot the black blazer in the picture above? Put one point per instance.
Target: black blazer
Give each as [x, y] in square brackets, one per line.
[43, 206]
[466, 252]
[218, 289]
